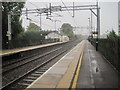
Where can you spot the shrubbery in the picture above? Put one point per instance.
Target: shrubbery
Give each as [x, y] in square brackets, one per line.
[112, 35]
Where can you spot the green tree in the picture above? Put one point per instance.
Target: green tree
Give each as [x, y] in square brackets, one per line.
[34, 27]
[35, 35]
[67, 29]
[32, 35]
[16, 27]
[112, 35]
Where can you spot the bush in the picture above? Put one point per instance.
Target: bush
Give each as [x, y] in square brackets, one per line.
[32, 35]
[112, 35]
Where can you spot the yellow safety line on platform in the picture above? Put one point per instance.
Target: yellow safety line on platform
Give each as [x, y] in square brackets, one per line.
[77, 72]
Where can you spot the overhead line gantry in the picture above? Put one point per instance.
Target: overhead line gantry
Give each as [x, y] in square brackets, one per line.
[49, 11]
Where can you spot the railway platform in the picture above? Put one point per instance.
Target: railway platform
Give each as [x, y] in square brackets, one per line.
[12, 51]
[82, 67]
[96, 71]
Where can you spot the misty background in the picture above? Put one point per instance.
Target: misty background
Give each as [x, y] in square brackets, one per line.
[108, 16]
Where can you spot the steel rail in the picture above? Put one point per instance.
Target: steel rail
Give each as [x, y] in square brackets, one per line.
[5, 87]
[19, 60]
[6, 71]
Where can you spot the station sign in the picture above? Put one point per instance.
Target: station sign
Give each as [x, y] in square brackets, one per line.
[8, 34]
[95, 32]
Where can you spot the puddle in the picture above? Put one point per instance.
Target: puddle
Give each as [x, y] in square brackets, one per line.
[92, 55]
[94, 67]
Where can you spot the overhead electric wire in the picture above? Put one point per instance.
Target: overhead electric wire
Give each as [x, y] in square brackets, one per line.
[55, 13]
[66, 8]
[42, 23]
[69, 12]
[38, 8]
[58, 14]
[45, 4]
[33, 4]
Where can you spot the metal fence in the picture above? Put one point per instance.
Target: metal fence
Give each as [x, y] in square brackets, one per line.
[110, 50]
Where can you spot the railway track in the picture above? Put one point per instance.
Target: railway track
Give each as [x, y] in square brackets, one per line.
[17, 64]
[26, 78]
[42, 50]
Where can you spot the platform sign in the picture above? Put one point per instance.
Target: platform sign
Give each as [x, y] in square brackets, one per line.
[8, 34]
[95, 32]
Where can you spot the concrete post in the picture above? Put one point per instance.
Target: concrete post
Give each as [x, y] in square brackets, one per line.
[9, 27]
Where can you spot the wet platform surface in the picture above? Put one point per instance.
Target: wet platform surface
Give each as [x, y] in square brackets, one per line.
[95, 71]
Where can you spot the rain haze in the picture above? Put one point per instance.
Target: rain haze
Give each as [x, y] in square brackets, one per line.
[72, 44]
[108, 16]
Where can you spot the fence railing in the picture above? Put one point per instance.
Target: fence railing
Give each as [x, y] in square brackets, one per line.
[110, 49]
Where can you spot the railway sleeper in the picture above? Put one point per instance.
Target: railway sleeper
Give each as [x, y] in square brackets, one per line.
[24, 84]
[36, 75]
[40, 72]
[44, 68]
[28, 80]
[30, 77]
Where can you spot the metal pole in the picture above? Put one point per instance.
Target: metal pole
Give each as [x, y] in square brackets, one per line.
[98, 21]
[98, 27]
[55, 25]
[26, 13]
[50, 8]
[73, 10]
[40, 21]
[91, 24]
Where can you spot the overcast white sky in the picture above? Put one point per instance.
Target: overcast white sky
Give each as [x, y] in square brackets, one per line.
[108, 16]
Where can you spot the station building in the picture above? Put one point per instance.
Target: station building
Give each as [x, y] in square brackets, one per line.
[56, 35]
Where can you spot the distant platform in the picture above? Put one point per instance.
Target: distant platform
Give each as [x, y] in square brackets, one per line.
[12, 51]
